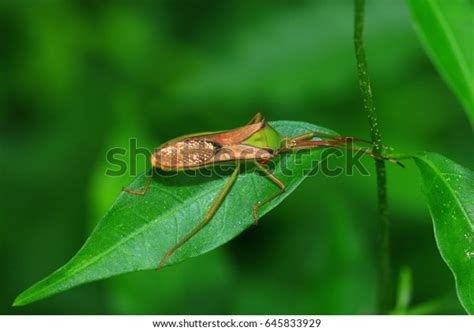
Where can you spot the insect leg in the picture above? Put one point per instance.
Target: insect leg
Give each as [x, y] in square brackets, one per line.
[145, 189]
[272, 177]
[337, 142]
[312, 134]
[299, 145]
[212, 210]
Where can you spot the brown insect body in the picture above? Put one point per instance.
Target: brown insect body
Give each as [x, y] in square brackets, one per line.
[198, 150]
[257, 142]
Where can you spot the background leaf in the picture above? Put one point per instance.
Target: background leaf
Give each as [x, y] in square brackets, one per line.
[449, 189]
[137, 231]
[446, 30]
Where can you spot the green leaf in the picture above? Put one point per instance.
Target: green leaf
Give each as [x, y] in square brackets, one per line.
[445, 28]
[449, 189]
[138, 230]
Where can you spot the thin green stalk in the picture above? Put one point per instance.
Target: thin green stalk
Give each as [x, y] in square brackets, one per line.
[384, 281]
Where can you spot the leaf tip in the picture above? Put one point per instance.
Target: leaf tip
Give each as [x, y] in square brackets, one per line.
[23, 299]
[18, 302]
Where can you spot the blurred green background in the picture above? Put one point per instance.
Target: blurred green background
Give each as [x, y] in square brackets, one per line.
[80, 77]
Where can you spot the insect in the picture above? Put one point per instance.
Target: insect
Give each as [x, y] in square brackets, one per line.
[255, 142]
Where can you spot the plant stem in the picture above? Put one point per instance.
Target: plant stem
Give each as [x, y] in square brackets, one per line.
[384, 282]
